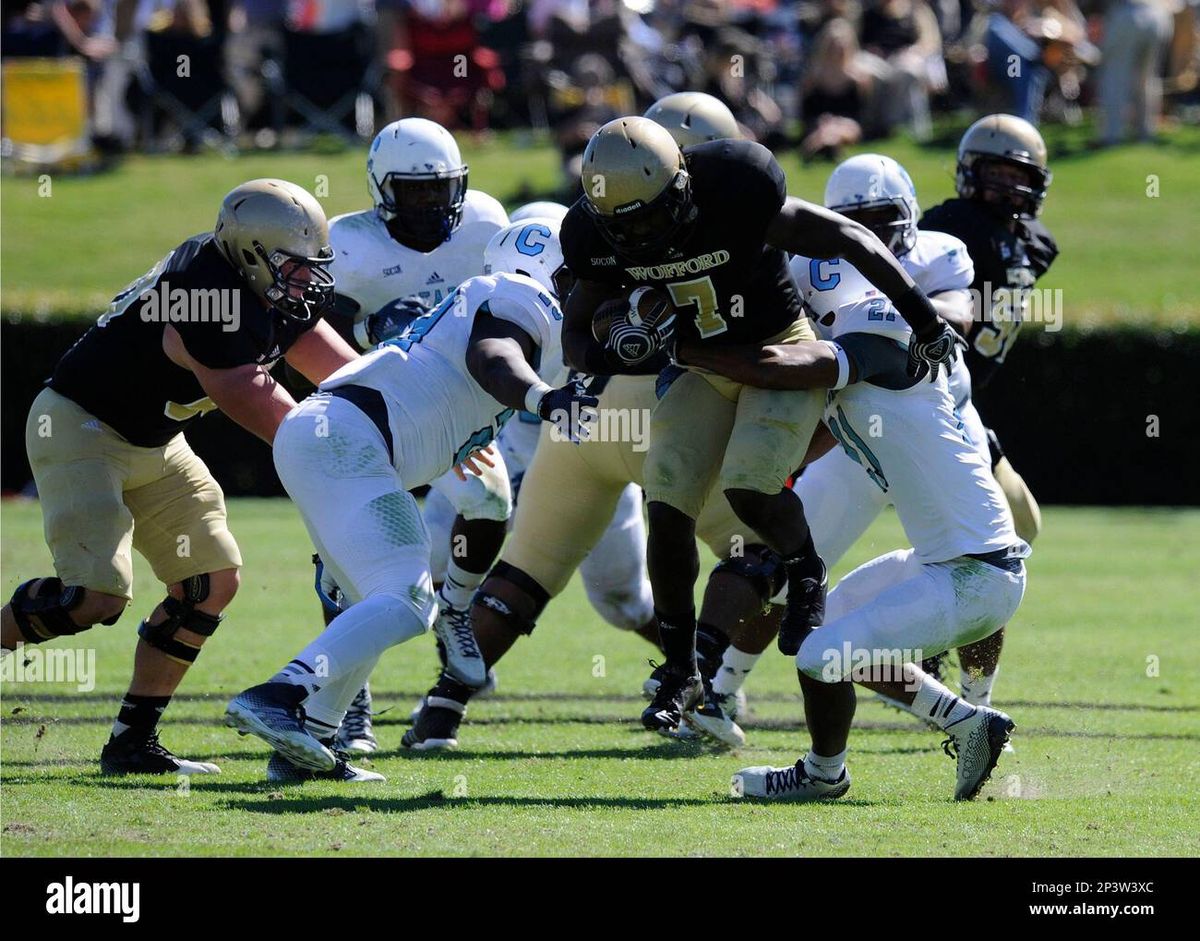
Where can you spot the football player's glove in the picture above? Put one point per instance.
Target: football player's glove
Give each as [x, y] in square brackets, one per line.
[571, 409]
[635, 343]
[937, 348]
[393, 318]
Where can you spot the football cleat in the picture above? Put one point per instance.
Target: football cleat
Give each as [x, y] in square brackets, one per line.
[678, 692]
[273, 712]
[684, 732]
[788, 784]
[437, 725]
[282, 771]
[463, 661]
[482, 693]
[805, 610]
[710, 718]
[355, 736]
[138, 752]
[976, 743]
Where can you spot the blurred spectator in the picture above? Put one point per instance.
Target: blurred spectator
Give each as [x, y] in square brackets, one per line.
[577, 116]
[1014, 58]
[1136, 35]
[255, 44]
[439, 68]
[834, 93]
[905, 46]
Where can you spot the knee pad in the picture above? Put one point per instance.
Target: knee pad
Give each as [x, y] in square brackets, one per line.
[761, 566]
[518, 579]
[624, 608]
[45, 616]
[183, 613]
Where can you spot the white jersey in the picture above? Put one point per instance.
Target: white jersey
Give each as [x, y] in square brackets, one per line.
[910, 443]
[438, 413]
[374, 269]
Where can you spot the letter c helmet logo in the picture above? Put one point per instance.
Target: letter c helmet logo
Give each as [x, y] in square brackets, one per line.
[528, 242]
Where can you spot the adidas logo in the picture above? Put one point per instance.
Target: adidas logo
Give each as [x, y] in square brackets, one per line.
[434, 278]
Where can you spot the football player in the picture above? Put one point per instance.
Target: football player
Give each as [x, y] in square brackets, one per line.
[1002, 180]
[711, 227]
[876, 191]
[399, 418]
[424, 235]
[962, 579]
[114, 471]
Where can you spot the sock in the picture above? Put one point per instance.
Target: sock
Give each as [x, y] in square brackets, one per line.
[139, 712]
[977, 687]
[939, 705]
[805, 563]
[299, 673]
[827, 769]
[711, 645]
[459, 587]
[321, 731]
[326, 708]
[678, 635]
[735, 667]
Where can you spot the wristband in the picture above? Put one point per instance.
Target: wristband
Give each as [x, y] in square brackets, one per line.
[534, 396]
[843, 365]
[361, 335]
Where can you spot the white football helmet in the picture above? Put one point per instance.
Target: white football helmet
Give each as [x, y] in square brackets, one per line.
[876, 191]
[529, 247]
[418, 181]
[539, 210]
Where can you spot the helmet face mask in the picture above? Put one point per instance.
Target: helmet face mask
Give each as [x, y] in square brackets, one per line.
[276, 237]
[889, 220]
[422, 210]
[647, 230]
[1002, 163]
[418, 182]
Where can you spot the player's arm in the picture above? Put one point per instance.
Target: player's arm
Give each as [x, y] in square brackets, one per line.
[803, 228]
[956, 307]
[248, 394]
[319, 352]
[581, 351]
[805, 365]
[499, 358]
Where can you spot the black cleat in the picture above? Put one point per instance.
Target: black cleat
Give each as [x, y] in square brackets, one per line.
[679, 691]
[138, 752]
[805, 610]
[442, 711]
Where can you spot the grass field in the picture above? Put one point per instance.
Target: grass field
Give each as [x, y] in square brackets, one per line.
[1126, 256]
[1100, 674]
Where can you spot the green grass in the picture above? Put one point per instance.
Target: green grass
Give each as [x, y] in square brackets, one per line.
[1105, 763]
[1126, 257]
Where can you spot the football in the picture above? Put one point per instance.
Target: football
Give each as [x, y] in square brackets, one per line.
[645, 305]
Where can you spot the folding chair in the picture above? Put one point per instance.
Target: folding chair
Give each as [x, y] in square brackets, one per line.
[327, 82]
[182, 81]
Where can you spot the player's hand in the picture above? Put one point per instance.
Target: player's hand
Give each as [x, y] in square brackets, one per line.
[394, 318]
[485, 456]
[571, 409]
[635, 343]
[937, 348]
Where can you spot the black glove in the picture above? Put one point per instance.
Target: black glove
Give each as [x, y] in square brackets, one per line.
[633, 344]
[937, 348]
[393, 318]
[571, 409]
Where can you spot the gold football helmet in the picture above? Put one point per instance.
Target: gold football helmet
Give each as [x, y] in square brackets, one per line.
[275, 234]
[1010, 141]
[636, 186]
[692, 117]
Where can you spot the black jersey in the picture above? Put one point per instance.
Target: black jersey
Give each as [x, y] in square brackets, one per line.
[1007, 264]
[737, 287]
[118, 370]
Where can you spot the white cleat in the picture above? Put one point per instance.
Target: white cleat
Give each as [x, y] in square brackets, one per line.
[464, 662]
[710, 718]
[356, 735]
[976, 742]
[282, 771]
[272, 712]
[787, 784]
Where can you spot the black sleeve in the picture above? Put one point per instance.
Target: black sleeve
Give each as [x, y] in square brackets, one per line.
[878, 360]
[750, 184]
[1041, 247]
[585, 252]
